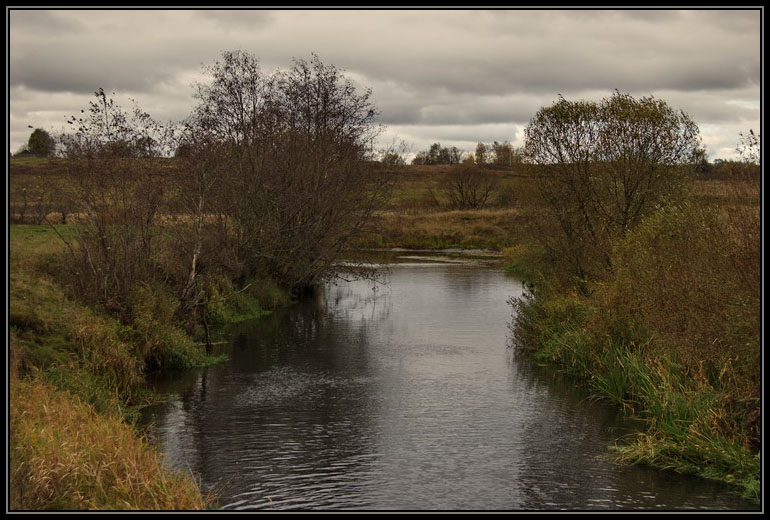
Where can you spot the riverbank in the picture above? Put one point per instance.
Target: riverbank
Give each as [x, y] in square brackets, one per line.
[403, 396]
[671, 335]
[75, 366]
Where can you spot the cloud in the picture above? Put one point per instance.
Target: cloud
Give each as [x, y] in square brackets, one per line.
[44, 23]
[237, 19]
[429, 69]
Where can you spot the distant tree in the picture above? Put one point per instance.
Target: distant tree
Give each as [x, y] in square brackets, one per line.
[517, 158]
[146, 146]
[468, 186]
[502, 154]
[481, 154]
[392, 159]
[183, 149]
[420, 158]
[437, 154]
[701, 161]
[41, 143]
[455, 155]
[749, 148]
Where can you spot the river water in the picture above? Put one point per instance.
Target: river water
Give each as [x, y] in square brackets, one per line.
[403, 396]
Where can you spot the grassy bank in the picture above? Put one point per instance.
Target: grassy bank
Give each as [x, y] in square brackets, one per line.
[695, 423]
[77, 383]
[671, 335]
[67, 456]
[421, 215]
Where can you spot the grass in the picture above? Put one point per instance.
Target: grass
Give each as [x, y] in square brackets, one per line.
[66, 456]
[493, 228]
[77, 381]
[228, 305]
[688, 427]
[644, 340]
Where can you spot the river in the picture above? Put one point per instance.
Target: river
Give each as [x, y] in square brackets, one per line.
[403, 396]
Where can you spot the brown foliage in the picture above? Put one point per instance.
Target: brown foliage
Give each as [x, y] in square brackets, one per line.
[302, 180]
[601, 168]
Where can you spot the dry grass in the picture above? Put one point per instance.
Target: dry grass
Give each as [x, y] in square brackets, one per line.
[64, 456]
[75, 372]
[476, 229]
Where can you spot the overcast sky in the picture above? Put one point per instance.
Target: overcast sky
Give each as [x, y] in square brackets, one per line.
[451, 76]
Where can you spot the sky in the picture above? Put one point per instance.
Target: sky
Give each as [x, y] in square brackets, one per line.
[457, 77]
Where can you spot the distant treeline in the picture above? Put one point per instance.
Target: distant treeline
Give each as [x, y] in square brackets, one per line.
[498, 154]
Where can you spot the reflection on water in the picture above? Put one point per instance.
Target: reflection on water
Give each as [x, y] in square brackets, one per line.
[403, 396]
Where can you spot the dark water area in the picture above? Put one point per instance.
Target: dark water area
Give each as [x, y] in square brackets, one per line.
[404, 396]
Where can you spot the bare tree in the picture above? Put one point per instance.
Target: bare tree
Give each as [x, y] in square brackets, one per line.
[503, 154]
[304, 177]
[116, 195]
[481, 154]
[468, 186]
[200, 229]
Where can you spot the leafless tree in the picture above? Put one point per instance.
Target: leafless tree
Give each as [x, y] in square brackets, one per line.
[304, 178]
[469, 186]
[117, 192]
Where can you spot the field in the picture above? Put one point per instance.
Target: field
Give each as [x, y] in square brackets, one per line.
[672, 334]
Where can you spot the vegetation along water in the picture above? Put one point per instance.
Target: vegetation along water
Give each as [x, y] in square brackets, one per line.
[227, 255]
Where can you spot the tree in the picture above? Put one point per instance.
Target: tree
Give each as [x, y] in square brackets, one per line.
[468, 186]
[117, 194]
[481, 154]
[749, 148]
[455, 155]
[601, 168]
[304, 178]
[41, 143]
[503, 154]
[437, 154]
[392, 159]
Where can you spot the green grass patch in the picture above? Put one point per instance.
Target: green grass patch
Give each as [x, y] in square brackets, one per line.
[688, 426]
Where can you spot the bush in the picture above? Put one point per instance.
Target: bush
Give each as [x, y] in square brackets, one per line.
[469, 186]
[680, 275]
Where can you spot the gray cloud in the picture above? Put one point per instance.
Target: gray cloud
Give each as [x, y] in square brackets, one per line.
[44, 23]
[430, 71]
[237, 20]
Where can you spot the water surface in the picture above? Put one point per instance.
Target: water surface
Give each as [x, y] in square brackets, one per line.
[404, 396]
